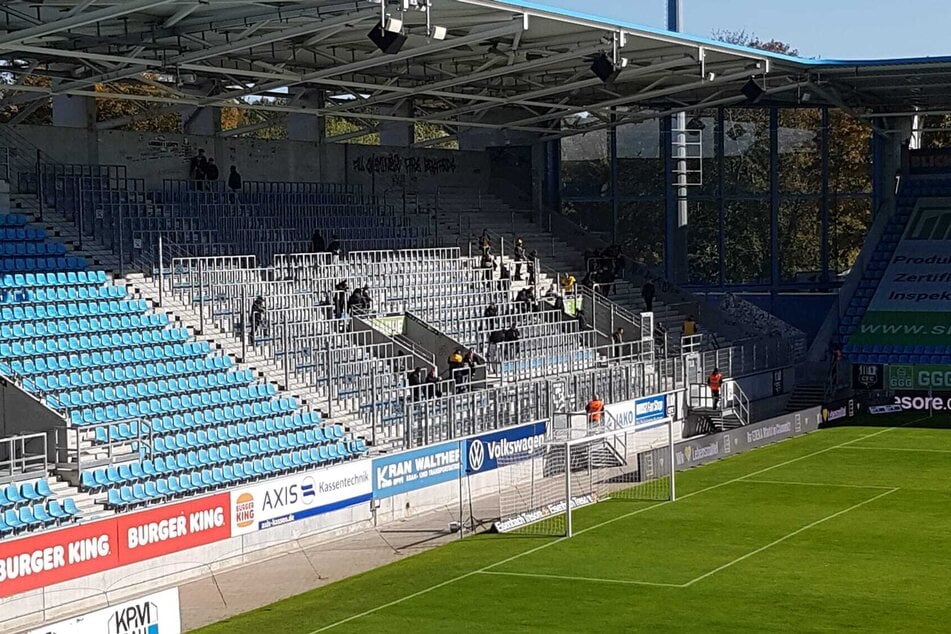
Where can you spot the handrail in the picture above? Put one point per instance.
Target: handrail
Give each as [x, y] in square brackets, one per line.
[17, 462]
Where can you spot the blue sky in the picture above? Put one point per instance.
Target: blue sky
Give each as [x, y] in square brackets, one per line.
[831, 29]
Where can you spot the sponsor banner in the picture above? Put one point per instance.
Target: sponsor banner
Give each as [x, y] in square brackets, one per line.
[922, 402]
[537, 515]
[703, 449]
[929, 161]
[157, 613]
[299, 496]
[416, 469]
[637, 413]
[867, 376]
[922, 378]
[885, 409]
[173, 527]
[841, 410]
[36, 561]
[482, 453]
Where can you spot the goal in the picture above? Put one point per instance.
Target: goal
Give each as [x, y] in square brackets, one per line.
[539, 491]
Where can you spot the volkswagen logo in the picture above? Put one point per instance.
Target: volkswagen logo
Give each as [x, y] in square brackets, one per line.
[476, 455]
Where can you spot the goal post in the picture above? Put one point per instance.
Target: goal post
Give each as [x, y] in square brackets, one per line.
[539, 491]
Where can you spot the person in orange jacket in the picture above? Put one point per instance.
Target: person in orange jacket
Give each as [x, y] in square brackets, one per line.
[594, 409]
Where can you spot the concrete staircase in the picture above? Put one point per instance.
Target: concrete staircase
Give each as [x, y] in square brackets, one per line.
[806, 395]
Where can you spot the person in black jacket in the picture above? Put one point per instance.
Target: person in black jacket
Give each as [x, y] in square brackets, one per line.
[234, 179]
[211, 170]
[519, 257]
[340, 298]
[648, 293]
[317, 244]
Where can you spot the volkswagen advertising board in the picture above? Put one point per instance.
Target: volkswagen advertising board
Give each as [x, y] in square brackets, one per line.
[482, 453]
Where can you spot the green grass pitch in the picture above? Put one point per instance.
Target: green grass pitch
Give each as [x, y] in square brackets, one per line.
[844, 529]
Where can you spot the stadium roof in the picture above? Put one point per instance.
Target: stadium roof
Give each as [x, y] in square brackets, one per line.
[515, 65]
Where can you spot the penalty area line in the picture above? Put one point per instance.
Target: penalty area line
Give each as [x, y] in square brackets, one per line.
[625, 582]
[596, 526]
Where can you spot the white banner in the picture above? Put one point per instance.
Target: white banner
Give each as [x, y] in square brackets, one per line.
[301, 495]
[157, 613]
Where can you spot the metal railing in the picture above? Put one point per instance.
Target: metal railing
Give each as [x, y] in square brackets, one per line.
[23, 456]
[81, 447]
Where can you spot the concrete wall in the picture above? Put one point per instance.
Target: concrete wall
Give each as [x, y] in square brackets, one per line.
[21, 413]
[155, 157]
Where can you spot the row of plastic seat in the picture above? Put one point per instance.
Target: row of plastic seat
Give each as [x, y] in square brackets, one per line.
[38, 516]
[152, 389]
[210, 421]
[13, 220]
[100, 308]
[103, 478]
[26, 295]
[208, 431]
[220, 477]
[31, 249]
[26, 234]
[59, 279]
[24, 493]
[164, 406]
[89, 343]
[128, 374]
[83, 325]
[103, 358]
[41, 264]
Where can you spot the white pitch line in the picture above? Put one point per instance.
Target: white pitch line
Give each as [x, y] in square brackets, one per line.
[591, 528]
[624, 582]
[820, 484]
[898, 449]
[784, 538]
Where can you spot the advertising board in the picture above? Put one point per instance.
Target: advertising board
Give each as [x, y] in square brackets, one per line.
[157, 613]
[639, 413]
[483, 453]
[295, 497]
[35, 561]
[410, 470]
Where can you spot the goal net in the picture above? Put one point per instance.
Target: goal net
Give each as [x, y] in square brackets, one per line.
[539, 491]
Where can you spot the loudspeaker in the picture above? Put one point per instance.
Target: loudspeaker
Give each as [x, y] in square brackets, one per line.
[387, 41]
[603, 68]
[752, 91]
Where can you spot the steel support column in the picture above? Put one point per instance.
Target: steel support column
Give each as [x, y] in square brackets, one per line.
[824, 200]
[774, 201]
[718, 146]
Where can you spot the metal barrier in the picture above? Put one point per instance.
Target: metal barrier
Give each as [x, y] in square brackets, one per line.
[80, 447]
[23, 457]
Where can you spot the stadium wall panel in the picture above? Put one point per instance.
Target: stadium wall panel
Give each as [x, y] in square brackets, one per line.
[156, 157]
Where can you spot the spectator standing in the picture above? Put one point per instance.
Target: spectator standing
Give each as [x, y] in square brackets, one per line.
[647, 294]
[414, 382]
[457, 367]
[568, 283]
[317, 244]
[594, 409]
[519, 257]
[690, 326]
[340, 298]
[198, 165]
[714, 382]
[485, 243]
[432, 385]
[505, 276]
[532, 266]
[258, 313]
[211, 171]
[618, 338]
[234, 179]
[487, 264]
[334, 246]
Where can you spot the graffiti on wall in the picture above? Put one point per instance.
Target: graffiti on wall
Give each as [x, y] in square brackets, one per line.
[396, 164]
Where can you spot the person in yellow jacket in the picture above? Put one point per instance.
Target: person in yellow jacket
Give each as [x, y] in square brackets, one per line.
[568, 283]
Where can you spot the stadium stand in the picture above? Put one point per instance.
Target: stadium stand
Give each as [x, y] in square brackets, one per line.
[878, 326]
[122, 374]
